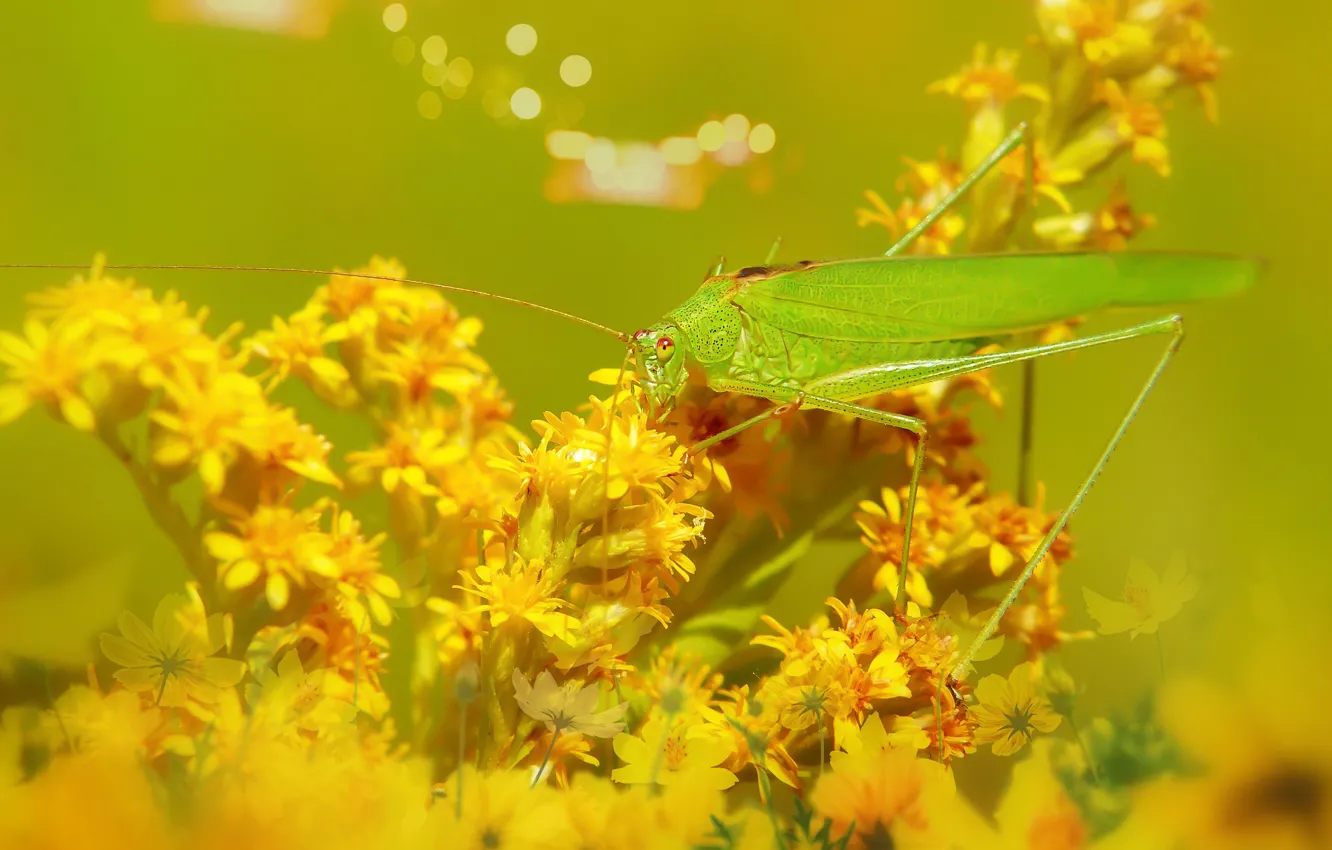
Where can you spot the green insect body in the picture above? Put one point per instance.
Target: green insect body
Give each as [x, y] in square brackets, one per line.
[792, 326]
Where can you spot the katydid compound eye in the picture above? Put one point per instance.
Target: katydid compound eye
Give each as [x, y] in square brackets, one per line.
[665, 348]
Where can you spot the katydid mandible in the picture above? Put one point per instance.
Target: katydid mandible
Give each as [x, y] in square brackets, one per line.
[827, 335]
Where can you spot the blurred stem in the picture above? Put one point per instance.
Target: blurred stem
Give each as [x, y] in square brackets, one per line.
[1082, 745]
[167, 515]
[1026, 439]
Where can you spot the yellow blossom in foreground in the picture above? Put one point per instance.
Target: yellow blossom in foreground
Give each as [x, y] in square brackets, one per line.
[1037, 814]
[1260, 766]
[499, 811]
[891, 797]
[1011, 712]
[570, 706]
[680, 754]
[293, 700]
[171, 660]
[1149, 600]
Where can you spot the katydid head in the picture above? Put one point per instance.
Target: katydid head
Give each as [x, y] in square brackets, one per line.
[659, 356]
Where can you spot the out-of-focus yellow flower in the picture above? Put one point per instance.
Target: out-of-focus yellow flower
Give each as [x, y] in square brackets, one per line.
[1149, 600]
[199, 422]
[1140, 125]
[1011, 712]
[1257, 769]
[47, 365]
[891, 798]
[295, 346]
[171, 660]
[1037, 814]
[985, 80]
[275, 546]
[684, 753]
[292, 700]
[499, 812]
[926, 183]
[116, 723]
[571, 706]
[1108, 228]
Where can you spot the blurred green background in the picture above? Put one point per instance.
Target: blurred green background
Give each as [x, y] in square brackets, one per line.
[179, 142]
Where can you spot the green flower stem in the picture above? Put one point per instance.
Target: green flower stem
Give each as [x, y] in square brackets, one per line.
[546, 759]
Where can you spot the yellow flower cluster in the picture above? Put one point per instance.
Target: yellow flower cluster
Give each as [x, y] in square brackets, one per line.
[1112, 68]
[573, 664]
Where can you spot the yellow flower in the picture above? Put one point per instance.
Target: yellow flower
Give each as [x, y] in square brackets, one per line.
[891, 798]
[171, 659]
[683, 753]
[291, 700]
[984, 80]
[275, 544]
[278, 444]
[859, 745]
[1149, 599]
[1260, 768]
[570, 706]
[1138, 123]
[296, 347]
[47, 365]
[521, 596]
[198, 422]
[1108, 228]
[357, 577]
[113, 723]
[1011, 712]
[499, 812]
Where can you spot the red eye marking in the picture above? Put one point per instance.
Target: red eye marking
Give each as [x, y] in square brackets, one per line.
[665, 344]
[639, 334]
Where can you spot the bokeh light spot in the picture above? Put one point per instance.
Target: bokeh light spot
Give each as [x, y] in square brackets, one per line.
[736, 127]
[521, 39]
[460, 72]
[395, 16]
[434, 50]
[429, 105]
[525, 103]
[568, 144]
[600, 156]
[432, 74]
[680, 150]
[711, 136]
[404, 50]
[575, 70]
[762, 138]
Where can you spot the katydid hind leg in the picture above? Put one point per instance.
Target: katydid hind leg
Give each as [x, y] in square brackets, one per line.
[1175, 328]
[1011, 141]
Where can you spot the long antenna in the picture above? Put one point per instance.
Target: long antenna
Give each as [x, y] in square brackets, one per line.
[622, 337]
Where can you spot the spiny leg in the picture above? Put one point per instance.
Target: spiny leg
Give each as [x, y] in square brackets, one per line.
[1011, 141]
[1175, 327]
[812, 396]
[871, 380]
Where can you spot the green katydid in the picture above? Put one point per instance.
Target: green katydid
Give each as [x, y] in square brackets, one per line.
[827, 335]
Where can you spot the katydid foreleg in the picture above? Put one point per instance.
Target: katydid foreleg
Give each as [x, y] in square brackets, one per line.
[810, 397]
